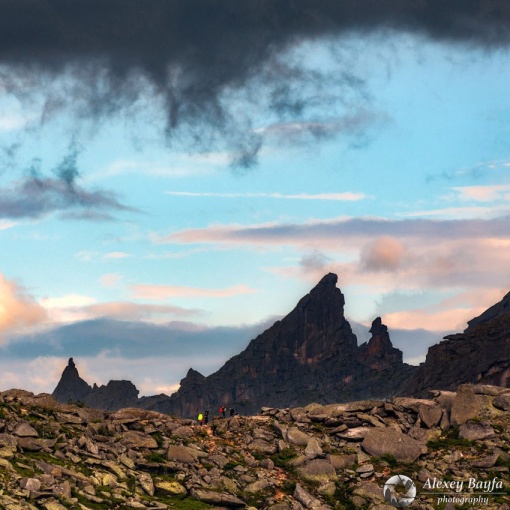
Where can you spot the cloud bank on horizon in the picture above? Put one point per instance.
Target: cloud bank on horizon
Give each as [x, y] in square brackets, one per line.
[378, 137]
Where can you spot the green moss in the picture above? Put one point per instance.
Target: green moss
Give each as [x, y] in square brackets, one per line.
[503, 463]
[283, 457]
[342, 499]
[259, 455]
[159, 439]
[155, 457]
[389, 459]
[450, 440]
[179, 503]
[231, 465]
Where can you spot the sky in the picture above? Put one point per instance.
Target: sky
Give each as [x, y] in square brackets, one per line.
[176, 175]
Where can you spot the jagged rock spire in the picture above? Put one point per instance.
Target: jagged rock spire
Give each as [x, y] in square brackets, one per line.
[71, 386]
[379, 352]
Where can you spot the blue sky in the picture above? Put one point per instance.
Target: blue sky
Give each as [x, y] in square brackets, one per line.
[383, 156]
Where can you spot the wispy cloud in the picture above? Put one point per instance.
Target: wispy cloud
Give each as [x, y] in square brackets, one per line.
[341, 231]
[88, 256]
[116, 255]
[6, 224]
[75, 307]
[484, 193]
[9, 122]
[37, 196]
[185, 166]
[169, 291]
[110, 280]
[355, 124]
[341, 197]
[460, 213]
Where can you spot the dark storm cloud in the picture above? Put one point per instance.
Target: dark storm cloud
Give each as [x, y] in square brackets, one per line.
[194, 54]
[36, 195]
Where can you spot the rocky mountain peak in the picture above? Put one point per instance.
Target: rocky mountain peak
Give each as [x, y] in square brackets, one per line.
[114, 395]
[379, 352]
[311, 355]
[495, 311]
[71, 386]
[194, 375]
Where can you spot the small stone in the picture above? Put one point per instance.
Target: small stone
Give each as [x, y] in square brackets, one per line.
[365, 468]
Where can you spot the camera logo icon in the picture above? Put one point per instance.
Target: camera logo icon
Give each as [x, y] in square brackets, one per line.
[399, 491]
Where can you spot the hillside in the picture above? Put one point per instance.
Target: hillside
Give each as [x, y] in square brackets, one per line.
[337, 456]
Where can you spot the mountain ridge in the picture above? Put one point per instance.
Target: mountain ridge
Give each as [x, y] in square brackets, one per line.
[312, 355]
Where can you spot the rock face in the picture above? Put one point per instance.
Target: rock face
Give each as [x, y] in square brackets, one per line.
[115, 395]
[71, 386]
[479, 355]
[311, 355]
[57, 456]
[379, 353]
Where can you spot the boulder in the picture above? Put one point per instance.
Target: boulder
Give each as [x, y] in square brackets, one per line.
[502, 402]
[296, 436]
[182, 454]
[476, 430]
[466, 405]
[318, 470]
[171, 488]
[217, 498]
[430, 415]
[25, 430]
[390, 441]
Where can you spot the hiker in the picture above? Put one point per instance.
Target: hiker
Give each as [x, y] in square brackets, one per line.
[232, 413]
[200, 418]
[206, 417]
[223, 411]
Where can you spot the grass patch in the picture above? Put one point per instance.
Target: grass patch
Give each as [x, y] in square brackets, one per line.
[230, 465]
[282, 458]
[259, 455]
[155, 457]
[450, 440]
[179, 502]
[159, 439]
[389, 459]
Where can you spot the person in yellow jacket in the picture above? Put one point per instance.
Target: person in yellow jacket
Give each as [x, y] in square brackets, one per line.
[200, 418]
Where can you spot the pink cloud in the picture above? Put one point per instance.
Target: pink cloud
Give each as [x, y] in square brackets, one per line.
[122, 310]
[382, 254]
[169, 291]
[484, 193]
[18, 309]
[110, 280]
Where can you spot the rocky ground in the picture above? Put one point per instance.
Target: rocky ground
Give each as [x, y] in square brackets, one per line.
[57, 456]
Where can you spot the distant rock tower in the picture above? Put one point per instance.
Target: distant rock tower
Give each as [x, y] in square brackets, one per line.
[71, 386]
